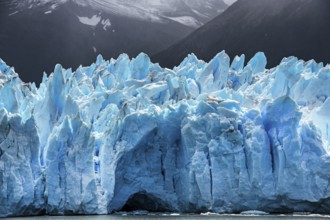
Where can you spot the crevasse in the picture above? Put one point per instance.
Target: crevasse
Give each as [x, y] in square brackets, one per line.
[127, 134]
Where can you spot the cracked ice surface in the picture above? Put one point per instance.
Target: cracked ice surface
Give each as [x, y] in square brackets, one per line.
[219, 136]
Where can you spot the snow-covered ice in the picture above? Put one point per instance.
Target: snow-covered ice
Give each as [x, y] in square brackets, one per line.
[203, 137]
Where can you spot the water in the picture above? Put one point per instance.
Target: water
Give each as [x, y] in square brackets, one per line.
[178, 217]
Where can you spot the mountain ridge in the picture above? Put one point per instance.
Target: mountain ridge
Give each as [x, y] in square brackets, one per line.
[35, 35]
[156, 11]
[278, 28]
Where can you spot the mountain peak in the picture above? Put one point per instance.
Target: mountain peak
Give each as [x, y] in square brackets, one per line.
[280, 28]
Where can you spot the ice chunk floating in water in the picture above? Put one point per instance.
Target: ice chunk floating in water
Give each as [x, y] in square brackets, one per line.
[125, 134]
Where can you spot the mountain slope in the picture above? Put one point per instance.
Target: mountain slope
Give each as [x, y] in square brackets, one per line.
[154, 10]
[278, 27]
[37, 34]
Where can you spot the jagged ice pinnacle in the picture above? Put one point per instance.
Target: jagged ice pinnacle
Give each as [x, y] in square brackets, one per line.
[127, 134]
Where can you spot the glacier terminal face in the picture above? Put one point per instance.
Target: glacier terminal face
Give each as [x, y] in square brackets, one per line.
[126, 134]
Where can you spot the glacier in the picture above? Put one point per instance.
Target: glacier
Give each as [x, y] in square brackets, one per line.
[126, 134]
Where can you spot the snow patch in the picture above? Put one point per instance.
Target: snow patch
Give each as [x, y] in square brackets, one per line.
[11, 14]
[106, 24]
[187, 21]
[93, 21]
[94, 49]
[230, 2]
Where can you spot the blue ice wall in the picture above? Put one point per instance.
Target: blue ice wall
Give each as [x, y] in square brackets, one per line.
[219, 136]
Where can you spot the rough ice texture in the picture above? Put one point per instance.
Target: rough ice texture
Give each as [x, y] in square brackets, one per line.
[204, 137]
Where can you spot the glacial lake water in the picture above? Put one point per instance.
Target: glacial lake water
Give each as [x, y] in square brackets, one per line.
[178, 217]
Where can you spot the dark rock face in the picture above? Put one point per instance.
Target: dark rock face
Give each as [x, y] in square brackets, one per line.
[279, 28]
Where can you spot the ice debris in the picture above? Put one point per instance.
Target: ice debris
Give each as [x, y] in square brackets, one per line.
[124, 135]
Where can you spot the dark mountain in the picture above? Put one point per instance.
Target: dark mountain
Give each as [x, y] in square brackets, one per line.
[280, 28]
[37, 34]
